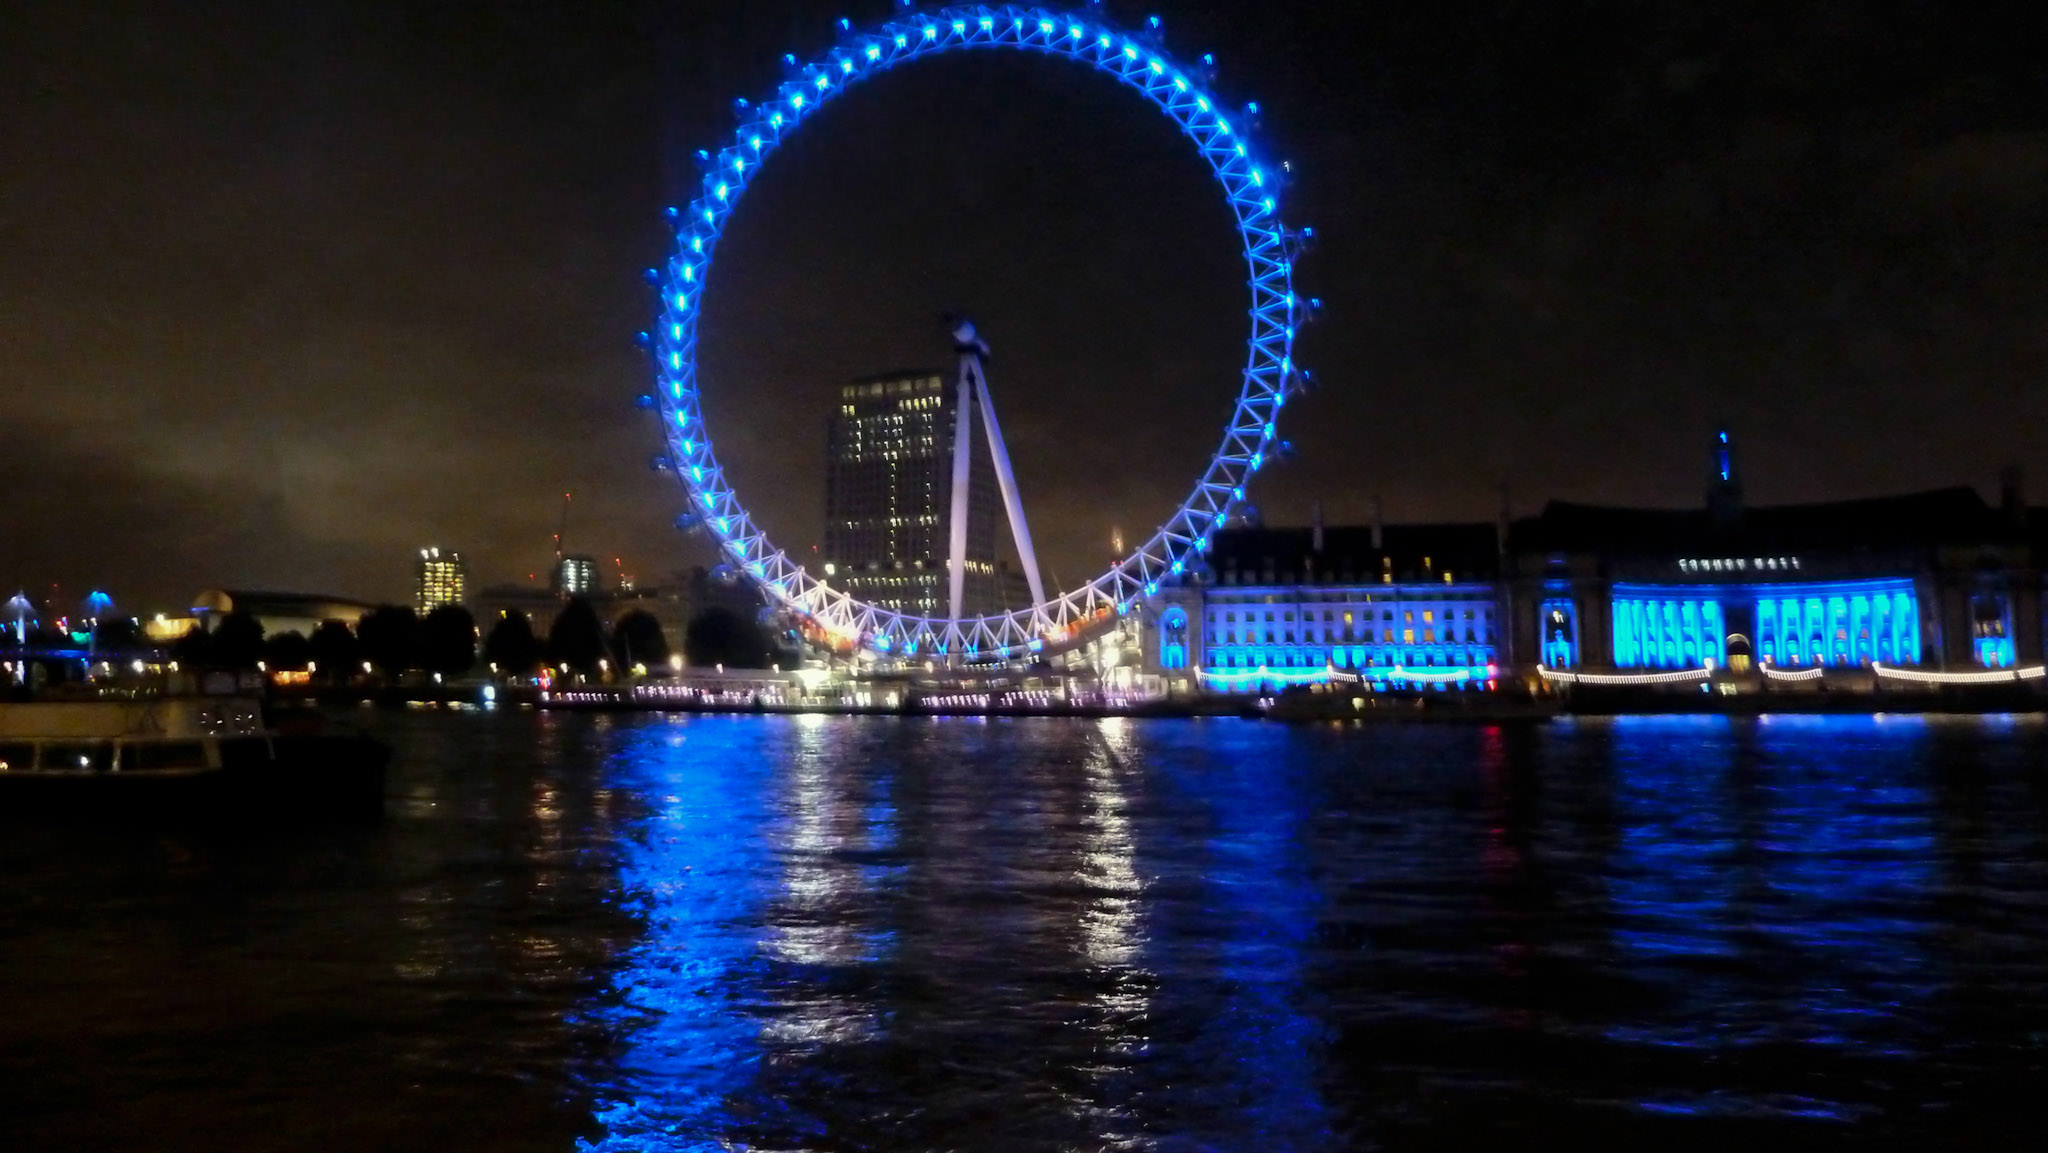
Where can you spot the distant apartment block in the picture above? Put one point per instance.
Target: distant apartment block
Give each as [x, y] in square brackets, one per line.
[441, 579]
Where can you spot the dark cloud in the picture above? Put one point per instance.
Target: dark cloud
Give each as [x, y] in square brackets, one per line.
[115, 513]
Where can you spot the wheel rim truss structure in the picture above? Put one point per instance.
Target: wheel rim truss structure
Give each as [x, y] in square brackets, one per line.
[834, 618]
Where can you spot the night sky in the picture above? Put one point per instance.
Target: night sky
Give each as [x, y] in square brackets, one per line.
[288, 291]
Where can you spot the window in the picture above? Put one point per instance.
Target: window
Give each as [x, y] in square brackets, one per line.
[165, 754]
[1173, 639]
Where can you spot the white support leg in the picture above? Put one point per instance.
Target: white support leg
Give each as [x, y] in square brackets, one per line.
[963, 443]
[1006, 480]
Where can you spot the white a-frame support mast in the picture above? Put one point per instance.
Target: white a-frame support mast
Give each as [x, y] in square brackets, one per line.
[974, 392]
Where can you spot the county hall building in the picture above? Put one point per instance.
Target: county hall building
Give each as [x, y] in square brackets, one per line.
[1925, 586]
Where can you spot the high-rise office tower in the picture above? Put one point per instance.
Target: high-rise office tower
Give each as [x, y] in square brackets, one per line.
[575, 576]
[888, 497]
[442, 579]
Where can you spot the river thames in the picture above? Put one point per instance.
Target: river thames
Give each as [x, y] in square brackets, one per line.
[867, 933]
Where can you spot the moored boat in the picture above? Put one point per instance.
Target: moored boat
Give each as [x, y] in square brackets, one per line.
[182, 754]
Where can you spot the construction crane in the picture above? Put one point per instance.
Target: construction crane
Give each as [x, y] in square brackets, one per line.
[562, 528]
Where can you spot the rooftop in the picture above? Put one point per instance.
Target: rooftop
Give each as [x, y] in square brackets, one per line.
[1468, 551]
[1915, 520]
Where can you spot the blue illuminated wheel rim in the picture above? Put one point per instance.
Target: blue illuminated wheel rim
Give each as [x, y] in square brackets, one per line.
[831, 616]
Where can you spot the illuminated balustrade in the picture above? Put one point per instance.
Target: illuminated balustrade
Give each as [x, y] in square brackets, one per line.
[1986, 677]
[1229, 680]
[1679, 676]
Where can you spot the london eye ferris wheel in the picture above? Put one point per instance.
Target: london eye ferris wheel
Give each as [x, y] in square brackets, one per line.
[1251, 189]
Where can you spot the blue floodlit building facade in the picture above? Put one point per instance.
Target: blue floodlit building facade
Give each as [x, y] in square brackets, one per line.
[1383, 607]
[1940, 579]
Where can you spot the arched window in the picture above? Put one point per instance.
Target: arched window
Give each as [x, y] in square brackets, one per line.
[1173, 639]
[1990, 630]
[1558, 623]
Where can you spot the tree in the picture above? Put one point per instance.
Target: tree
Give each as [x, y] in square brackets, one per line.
[576, 638]
[719, 636]
[512, 646]
[334, 649]
[117, 635]
[448, 640]
[288, 650]
[194, 650]
[44, 636]
[237, 641]
[389, 636]
[638, 639]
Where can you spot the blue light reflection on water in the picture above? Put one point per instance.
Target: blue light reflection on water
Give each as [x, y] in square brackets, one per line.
[878, 933]
[1778, 874]
[824, 937]
[1242, 971]
[881, 931]
[695, 872]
